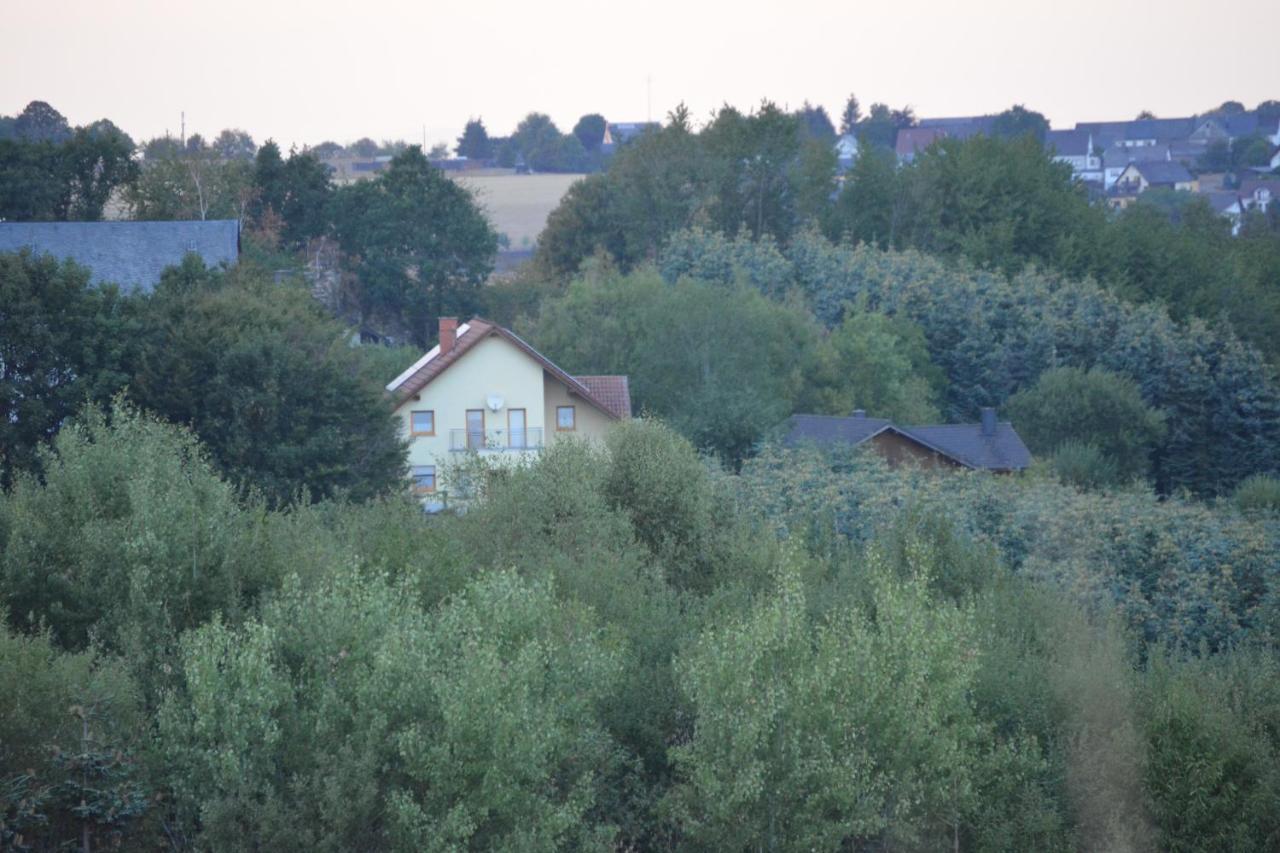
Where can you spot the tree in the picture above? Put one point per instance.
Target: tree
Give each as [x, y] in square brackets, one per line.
[63, 344]
[364, 147]
[1019, 121]
[850, 116]
[590, 131]
[39, 122]
[474, 143]
[297, 191]
[282, 403]
[232, 144]
[878, 364]
[816, 123]
[1144, 115]
[1095, 407]
[881, 126]
[326, 150]
[439, 151]
[418, 243]
[733, 377]
[67, 180]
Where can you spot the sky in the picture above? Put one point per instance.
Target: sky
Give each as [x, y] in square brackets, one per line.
[302, 73]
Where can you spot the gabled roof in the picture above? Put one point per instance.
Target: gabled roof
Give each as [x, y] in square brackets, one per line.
[432, 364]
[965, 444]
[1003, 451]
[1163, 173]
[1068, 143]
[1143, 128]
[130, 254]
[1118, 156]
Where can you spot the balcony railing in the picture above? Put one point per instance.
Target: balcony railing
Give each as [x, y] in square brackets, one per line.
[496, 440]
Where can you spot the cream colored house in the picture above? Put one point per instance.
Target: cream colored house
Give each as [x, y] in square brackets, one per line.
[484, 390]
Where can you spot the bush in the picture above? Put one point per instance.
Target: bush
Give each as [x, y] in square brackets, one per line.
[1259, 493]
[1081, 464]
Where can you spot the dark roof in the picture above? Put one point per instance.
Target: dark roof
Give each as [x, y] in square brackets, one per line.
[130, 254]
[477, 329]
[831, 429]
[625, 131]
[1003, 451]
[963, 443]
[1119, 155]
[960, 127]
[1145, 128]
[1068, 143]
[1163, 173]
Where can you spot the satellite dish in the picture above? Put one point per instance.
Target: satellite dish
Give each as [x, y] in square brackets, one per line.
[495, 402]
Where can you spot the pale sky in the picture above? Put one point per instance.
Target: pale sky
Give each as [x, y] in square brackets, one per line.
[304, 72]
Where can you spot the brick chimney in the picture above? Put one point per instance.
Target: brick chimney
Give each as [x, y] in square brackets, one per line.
[448, 333]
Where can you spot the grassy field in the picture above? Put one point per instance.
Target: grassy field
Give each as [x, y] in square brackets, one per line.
[518, 205]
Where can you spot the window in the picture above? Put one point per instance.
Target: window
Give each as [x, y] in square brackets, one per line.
[422, 423]
[424, 478]
[565, 418]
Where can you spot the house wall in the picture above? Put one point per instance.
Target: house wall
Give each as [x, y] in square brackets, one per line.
[591, 422]
[493, 366]
[896, 450]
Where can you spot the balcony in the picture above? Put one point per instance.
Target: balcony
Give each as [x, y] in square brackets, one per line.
[496, 440]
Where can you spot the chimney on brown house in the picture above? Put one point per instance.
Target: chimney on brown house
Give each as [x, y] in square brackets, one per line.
[448, 333]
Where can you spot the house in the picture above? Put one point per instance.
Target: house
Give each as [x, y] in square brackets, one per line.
[1076, 149]
[1274, 162]
[846, 149]
[484, 390]
[914, 139]
[1117, 157]
[622, 132]
[990, 445]
[1164, 174]
[130, 254]
[960, 127]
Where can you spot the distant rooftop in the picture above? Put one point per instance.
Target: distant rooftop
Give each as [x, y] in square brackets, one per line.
[130, 254]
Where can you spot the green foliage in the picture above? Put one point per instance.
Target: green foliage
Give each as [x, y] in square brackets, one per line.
[418, 243]
[62, 344]
[392, 692]
[719, 364]
[1213, 771]
[1259, 493]
[1083, 464]
[290, 196]
[590, 131]
[68, 178]
[1096, 408]
[69, 725]
[1019, 121]
[474, 143]
[270, 385]
[880, 365]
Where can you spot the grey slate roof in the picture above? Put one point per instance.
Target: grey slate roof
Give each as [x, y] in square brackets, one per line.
[1118, 156]
[1163, 173]
[964, 443]
[831, 429]
[130, 254]
[1003, 451]
[1068, 143]
[1146, 128]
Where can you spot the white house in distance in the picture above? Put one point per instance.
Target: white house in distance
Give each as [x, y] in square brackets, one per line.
[483, 389]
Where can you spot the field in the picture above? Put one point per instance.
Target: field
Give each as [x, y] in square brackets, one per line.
[518, 205]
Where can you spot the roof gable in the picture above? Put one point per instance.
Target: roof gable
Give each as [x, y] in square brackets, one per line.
[965, 444]
[432, 364]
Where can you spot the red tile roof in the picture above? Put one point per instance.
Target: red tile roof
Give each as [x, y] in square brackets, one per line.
[613, 391]
[614, 394]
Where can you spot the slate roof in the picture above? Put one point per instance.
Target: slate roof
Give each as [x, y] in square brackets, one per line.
[965, 444]
[130, 254]
[1147, 128]
[432, 364]
[960, 127]
[1118, 156]
[831, 429]
[1068, 143]
[1163, 173]
[1003, 451]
